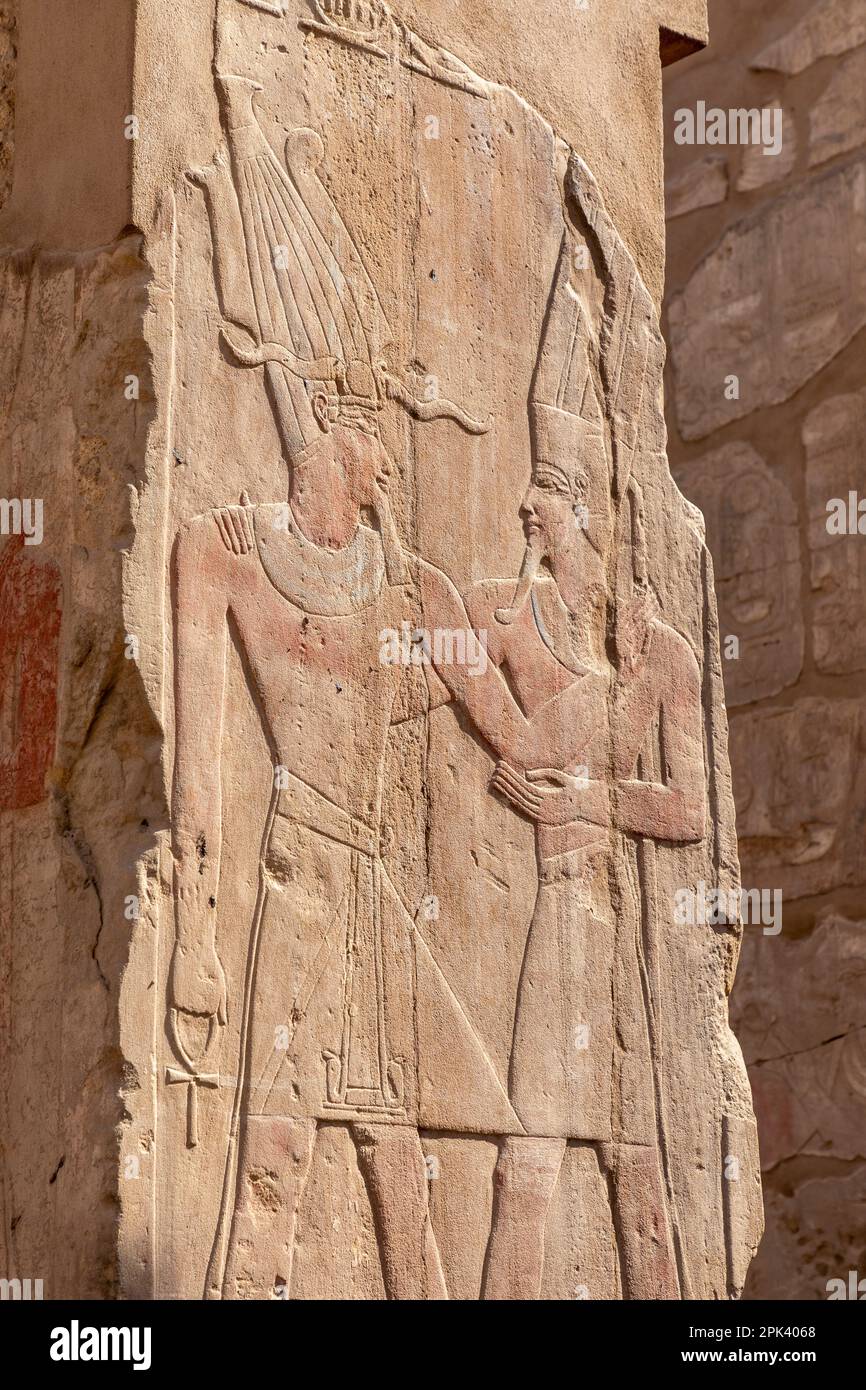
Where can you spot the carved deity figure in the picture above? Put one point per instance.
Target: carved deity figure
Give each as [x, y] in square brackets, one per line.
[614, 753]
[305, 586]
[587, 701]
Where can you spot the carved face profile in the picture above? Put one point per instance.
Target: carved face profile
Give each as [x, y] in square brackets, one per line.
[352, 439]
[569, 458]
[554, 513]
[567, 510]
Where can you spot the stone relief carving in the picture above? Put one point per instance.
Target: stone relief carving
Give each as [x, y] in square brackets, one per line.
[752, 532]
[586, 703]
[369, 25]
[583, 1038]
[318, 326]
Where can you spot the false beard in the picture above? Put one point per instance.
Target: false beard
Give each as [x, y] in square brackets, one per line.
[396, 569]
[532, 559]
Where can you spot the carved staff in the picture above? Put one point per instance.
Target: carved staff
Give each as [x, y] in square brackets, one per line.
[629, 330]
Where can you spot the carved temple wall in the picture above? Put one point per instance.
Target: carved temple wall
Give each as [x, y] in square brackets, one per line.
[765, 281]
[328, 973]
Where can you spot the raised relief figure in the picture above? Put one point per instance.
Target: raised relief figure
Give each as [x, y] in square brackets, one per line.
[615, 757]
[305, 587]
[588, 702]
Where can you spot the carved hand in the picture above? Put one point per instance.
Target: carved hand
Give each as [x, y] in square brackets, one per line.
[197, 984]
[569, 798]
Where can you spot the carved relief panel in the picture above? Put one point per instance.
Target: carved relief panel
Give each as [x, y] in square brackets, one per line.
[445, 707]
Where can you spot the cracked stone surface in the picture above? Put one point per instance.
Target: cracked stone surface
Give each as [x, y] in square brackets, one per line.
[806, 1053]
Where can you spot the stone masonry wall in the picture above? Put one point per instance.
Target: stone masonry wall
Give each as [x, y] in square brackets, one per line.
[767, 284]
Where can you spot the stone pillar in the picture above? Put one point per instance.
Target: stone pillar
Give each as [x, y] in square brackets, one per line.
[767, 411]
[365, 760]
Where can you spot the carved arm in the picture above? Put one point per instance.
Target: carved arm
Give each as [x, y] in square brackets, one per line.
[674, 809]
[197, 983]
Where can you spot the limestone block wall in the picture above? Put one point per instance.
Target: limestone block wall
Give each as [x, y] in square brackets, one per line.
[766, 407]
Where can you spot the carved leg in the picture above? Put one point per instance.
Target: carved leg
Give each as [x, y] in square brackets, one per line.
[524, 1180]
[392, 1161]
[274, 1163]
[647, 1258]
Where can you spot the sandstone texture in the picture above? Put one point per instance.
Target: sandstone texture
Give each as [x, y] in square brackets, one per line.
[754, 536]
[758, 169]
[702, 185]
[768, 288]
[8, 35]
[834, 434]
[837, 121]
[765, 308]
[826, 29]
[362, 720]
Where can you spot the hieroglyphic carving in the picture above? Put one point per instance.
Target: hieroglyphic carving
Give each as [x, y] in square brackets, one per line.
[751, 523]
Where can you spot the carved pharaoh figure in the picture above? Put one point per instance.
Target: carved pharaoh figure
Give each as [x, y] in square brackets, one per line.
[588, 702]
[308, 587]
[583, 1064]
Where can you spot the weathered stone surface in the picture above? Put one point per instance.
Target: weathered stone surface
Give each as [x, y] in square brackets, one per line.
[807, 1245]
[757, 169]
[834, 436]
[8, 35]
[796, 751]
[388, 701]
[754, 539]
[701, 185]
[837, 121]
[765, 308]
[828, 27]
[800, 1011]
[799, 782]
[79, 778]
[800, 1014]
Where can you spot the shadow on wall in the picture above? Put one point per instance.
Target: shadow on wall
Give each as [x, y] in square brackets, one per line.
[766, 324]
